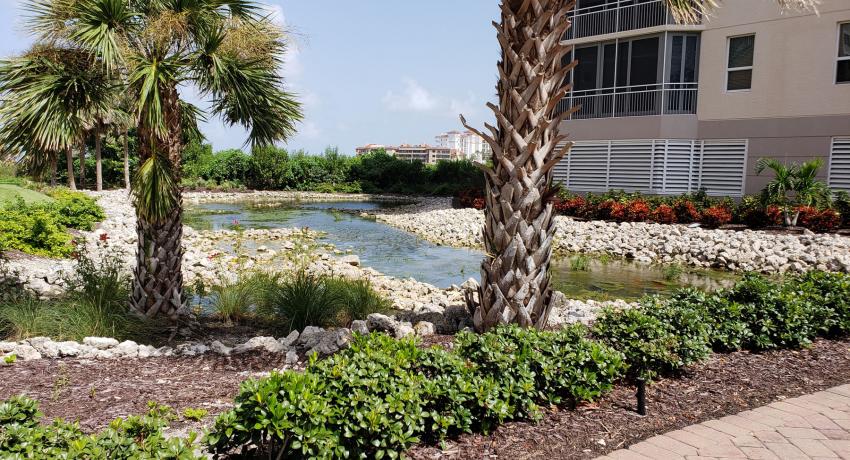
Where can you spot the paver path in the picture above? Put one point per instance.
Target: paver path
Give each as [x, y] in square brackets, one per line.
[811, 427]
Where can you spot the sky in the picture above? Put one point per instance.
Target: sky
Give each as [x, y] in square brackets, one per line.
[369, 71]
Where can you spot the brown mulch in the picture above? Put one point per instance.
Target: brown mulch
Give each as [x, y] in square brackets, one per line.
[95, 392]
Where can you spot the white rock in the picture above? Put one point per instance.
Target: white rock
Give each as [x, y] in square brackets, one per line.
[24, 352]
[268, 344]
[289, 340]
[101, 343]
[220, 348]
[359, 326]
[352, 260]
[424, 328]
[127, 349]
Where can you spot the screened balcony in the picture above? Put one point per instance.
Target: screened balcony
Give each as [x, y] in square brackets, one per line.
[649, 75]
[599, 17]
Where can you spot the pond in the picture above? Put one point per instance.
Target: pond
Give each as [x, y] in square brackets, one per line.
[386, 249]
[401, 254]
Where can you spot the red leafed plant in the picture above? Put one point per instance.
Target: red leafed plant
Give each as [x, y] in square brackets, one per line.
[774, 215]
[606, 209]
[575, 206]
[716, 216]
[471, 198]
[685, 211]
[819, 221]
[663, 214]
[638, 210]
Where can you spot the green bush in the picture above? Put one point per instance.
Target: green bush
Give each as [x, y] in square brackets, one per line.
[22, 435]
[235, 301]
[649, 345]
[829, 296]
[76, 210]
[776, 315]
[381, 396]
[41, 228]
[34, 231]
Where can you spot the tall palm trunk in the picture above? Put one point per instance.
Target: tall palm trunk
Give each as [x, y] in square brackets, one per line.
[69, 159]
[126, 160]
[518, 225]
[158, 278]
[98, 168]
[83, 162]
[53, 168]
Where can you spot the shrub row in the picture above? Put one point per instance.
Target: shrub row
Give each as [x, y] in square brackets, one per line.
[381, 396]
[272, 168]
[711, 212]
[22, 435]
[664, 335]
[41, 228]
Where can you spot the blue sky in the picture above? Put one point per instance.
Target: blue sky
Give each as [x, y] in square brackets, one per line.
[372, 71]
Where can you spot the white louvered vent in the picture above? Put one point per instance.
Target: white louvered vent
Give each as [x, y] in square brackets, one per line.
[661, 166]
[721, 167]
[839, 164]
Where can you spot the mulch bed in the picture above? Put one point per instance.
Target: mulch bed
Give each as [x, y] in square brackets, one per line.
[95, 392]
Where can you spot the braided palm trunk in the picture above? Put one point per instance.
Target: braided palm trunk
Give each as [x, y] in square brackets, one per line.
[518, 226]
[158, 276]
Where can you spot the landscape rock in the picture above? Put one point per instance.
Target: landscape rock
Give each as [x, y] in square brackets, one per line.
[101, 343]
[310, 337]
[268, 344]
[360, 327]
[127, 348]
[289, 340]
[220, 348]
[332, 342]
[424, 328]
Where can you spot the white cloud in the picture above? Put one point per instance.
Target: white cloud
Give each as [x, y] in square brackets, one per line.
[414, 98]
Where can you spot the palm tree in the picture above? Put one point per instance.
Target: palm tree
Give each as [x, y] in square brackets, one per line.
[227, 49]
[793, 186]
[45, 94]
[518, 225]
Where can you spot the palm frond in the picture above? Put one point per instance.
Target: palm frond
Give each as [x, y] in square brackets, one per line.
[98, 25]
[692, 11]
[155, 189]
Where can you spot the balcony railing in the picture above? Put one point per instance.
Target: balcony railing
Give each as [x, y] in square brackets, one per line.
[633, 101]
[618, 16]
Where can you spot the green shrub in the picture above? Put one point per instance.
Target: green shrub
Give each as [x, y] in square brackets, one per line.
[379, 397]
[776, 315]
[136, 437]
[829, 296]
[304, 299]
[34, 231]
[649, 345]
[75, 209]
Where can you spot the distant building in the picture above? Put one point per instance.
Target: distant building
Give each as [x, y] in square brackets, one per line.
[425, 153]
[468, 145]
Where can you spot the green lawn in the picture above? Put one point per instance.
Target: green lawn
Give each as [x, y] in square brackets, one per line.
[8, 193]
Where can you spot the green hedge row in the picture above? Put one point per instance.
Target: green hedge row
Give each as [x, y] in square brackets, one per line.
[273, 168]
[22, 436]
[41, 228]
[664, 335]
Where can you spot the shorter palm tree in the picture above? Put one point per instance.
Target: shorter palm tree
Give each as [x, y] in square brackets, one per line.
[793, 186]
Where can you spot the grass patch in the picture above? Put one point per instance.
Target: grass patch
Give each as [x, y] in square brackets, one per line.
[304, 299]
[10, 193]
[580, 263]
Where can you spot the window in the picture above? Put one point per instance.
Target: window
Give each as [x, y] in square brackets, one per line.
[740, 63]
[843, 68]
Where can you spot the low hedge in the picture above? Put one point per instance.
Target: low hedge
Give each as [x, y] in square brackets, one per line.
[23, 436]
[662, 336]
[381, 396]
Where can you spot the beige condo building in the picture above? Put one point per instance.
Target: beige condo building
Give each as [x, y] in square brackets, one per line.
[667, 108]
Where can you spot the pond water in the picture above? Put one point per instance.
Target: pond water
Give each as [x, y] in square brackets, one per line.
[384, 248]
[401, 254]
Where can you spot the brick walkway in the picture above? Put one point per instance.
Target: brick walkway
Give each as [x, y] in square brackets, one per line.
[810, 427]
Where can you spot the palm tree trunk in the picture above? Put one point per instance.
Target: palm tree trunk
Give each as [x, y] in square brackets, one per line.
[126, 160]
[53, 168]
[98, 169]
[69, 159]
[158, 277]
[82, 156]
[519, 225]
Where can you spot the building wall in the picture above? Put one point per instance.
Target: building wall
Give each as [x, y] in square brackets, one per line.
[793, 66]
